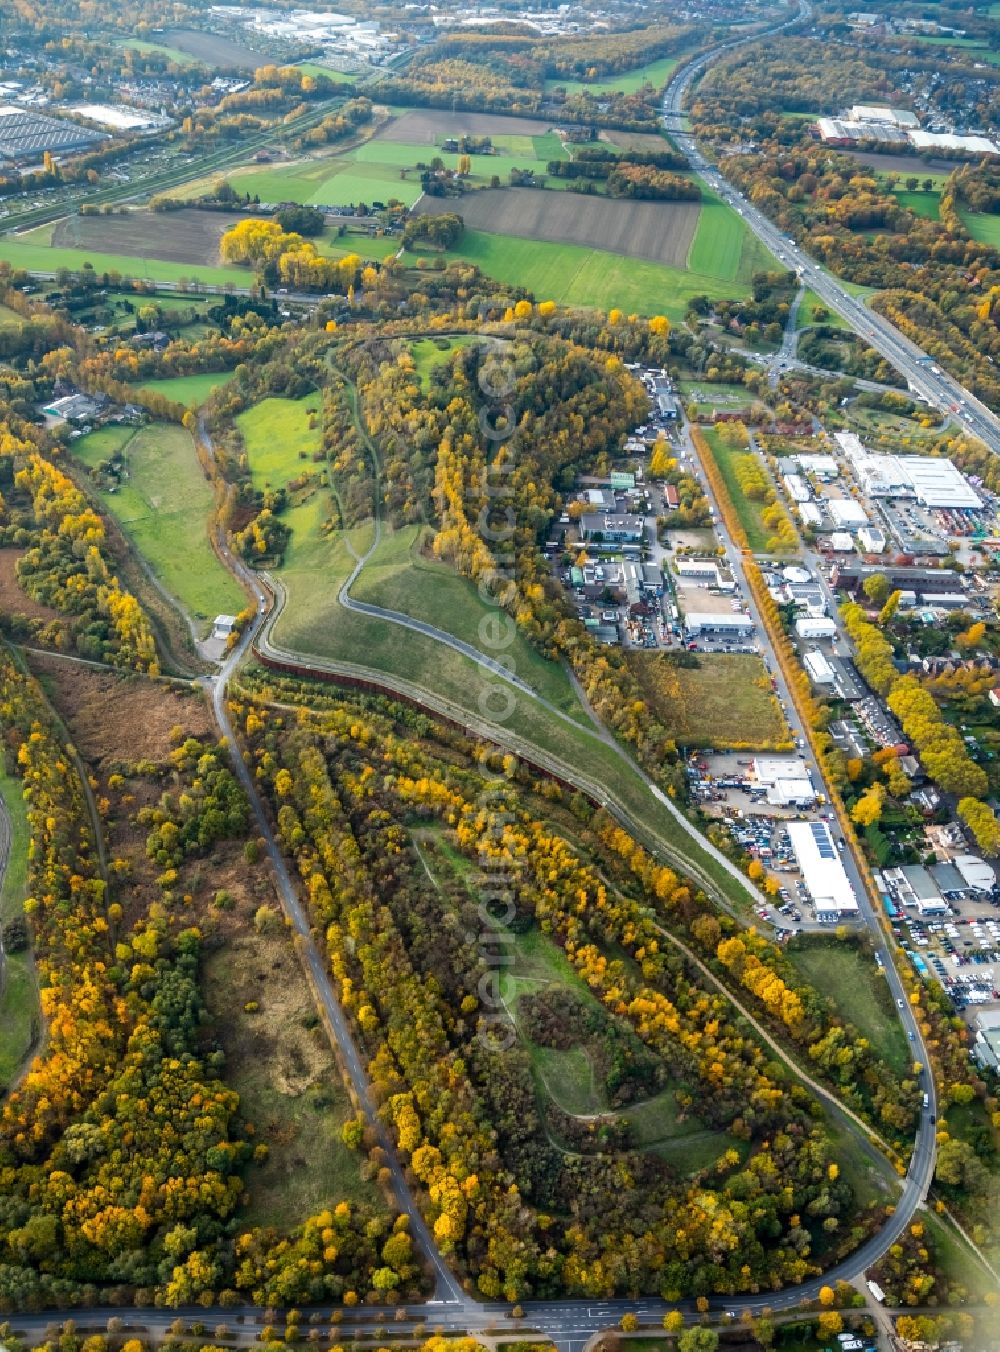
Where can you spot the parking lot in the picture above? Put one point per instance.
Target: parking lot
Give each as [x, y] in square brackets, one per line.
[722, 786]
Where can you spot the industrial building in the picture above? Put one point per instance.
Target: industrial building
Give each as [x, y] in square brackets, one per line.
[613, 527]
[728, 624]
[851, 575]
[987, 1045]
[871, 540]
[819, 669]
[841, 542]
[25, 135]
[810, 514]
[824, 467]
[822, 871]
[913, 886]
[818, 626]
[840, 131]
[787, 782]
[891, 117]
[945, 141]
[796, 487]
[978, 874]
[846, 514]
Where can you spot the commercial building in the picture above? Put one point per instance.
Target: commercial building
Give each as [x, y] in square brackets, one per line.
[979, 875]
[810, 514]
[932, 480]
[846, 514]
[819, 669]
[818, 626]
[891, 117]
[822, 871]
[786, 781]
[613, 527]
[707, 569]
[841, 542]
[987, 1045]
[729, 624]
[914, 887]
[839, 131]
[796, 487]
[871, 540]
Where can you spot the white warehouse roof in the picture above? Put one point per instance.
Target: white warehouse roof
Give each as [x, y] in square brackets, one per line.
[847, 513]
[937, 482]
[895, 117]
[842, 542]
[822, 870]
[810, 514]
[820, 627]
[773, 769]
[976, 145]
[976, 872]
[797, 488]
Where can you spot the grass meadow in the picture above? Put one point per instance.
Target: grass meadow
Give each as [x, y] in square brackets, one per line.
[191, 391]
[164, 509]
[19, 999]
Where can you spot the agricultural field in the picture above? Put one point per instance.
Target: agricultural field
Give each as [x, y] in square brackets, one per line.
[158, 49]
[213, 50]
[192, 391]
[655, 73]
[635, 140]
[726, 700]
[428, 126]
[163, 508]
[35, 252]
[180, 237]
[660, 232]
[19, 1015]
[981, 226]
[971, 49]
[906, 166]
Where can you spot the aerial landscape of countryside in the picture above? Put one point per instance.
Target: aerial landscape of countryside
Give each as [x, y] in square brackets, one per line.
[500, 677]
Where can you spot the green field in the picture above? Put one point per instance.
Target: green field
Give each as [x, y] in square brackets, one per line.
[19, 1012]
[655, 73]
[847, 977]
[337, 76]
[924, 204]
[725, 700]
[33, 252]
[9, 319]
[807, 313]
[981, 226]
[400, 577]
[278, 439]
[973, 47]
[724, 245]
[164, 509]
[572, 274]
[159, 49]
[428, 353]
[191, 391]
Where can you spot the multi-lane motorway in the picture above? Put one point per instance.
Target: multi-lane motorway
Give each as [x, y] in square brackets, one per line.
[920, 371]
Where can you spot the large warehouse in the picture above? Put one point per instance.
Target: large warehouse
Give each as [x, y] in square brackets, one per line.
[933, 481]
[822, 871]
[26, 135]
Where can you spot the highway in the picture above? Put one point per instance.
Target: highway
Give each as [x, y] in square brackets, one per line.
[920, 371]
[944, 393]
